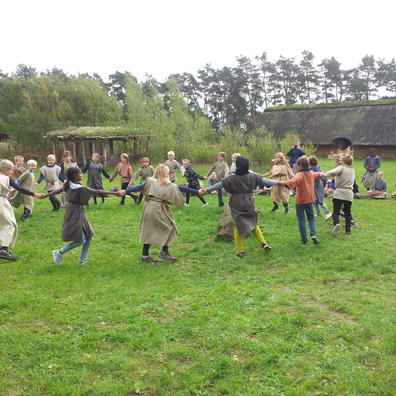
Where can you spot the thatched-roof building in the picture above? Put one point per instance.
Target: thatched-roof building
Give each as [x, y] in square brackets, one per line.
[82, 142]
[337, 127]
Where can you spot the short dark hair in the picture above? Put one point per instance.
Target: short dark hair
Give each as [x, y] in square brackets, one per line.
[302, 162]
[313, 161]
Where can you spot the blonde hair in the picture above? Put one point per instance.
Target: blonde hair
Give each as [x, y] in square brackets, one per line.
[31, 162]
[144, 159]
[222, 154]
[125, 156]
[282, 157]
[6, 164]
[186, 161]
[162, 174]
[18, 157]
[235, 155]
[171, 153]
[380, 175]
[95, 155]
[51, 156]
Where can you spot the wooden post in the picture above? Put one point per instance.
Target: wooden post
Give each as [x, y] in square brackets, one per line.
[54, 146]
[64, 146]
[74, 151]
[93, 146]
[104, 152]
[134, 147]
[83, 151]
[111, 144]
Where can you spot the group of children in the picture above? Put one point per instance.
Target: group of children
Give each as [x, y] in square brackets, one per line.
[303, 177]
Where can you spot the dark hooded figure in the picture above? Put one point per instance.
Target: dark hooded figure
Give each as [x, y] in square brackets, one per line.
[241, 185]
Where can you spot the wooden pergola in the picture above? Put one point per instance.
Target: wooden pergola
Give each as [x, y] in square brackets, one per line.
[82, 142]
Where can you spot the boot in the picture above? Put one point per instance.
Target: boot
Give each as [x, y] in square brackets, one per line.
[276, 207]
[25, 214]
[286, 206]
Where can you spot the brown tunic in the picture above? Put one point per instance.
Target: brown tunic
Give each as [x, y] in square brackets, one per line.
[75, 223]
[157, 225]
[241, 200]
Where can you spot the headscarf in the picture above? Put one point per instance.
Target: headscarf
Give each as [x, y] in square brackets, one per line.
[242, 166]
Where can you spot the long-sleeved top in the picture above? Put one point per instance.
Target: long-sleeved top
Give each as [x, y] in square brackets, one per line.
[372, 162]
[51, 174]
[141, 186]
[124, 170]
[379, 185]
[143, 173]
[221, 170]
[303, 183]
[295, 154]
[95, 170]
[173, 166]
[344, 180]
[219, 184]
[192, 177]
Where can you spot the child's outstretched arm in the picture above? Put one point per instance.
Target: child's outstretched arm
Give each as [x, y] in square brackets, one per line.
[214, 187]
[105, 174]
[54, 192]
[188, 190]
[134, 189]
[270, 182]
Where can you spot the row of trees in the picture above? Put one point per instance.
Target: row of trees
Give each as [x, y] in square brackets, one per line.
[185, 110]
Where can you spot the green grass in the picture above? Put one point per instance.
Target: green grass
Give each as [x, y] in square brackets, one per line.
[297, 321]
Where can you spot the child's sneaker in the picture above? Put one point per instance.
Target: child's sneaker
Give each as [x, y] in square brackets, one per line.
[166, 256]
[241, 254]
[148, 259]
[328, 216]
[354, 224]
[315, 240]
[186, 204]
[205, 205]
[83, 264]
[57, 255]
[266, 247]
[336, 230]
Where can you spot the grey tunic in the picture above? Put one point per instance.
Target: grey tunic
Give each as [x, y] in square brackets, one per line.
[75, 222]
[173, 166]
[94, 171]
[241, 201]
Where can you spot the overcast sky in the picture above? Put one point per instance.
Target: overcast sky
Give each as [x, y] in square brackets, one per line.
[161, 37]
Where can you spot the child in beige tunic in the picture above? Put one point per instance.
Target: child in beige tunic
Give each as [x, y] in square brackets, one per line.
[51, 173]
[26, 181]
[157, 225]
[173, 166]
[280, 171]
[144, 173]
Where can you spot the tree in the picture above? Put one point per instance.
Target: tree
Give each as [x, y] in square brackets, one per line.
[308, 79]
[368, 73]
[386, 75]
[265, 67]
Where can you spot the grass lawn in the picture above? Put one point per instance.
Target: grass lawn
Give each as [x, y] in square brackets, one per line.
[313, 320]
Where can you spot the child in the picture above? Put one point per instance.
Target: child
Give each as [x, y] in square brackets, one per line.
[173, 166]
[18, 168]
[241, 185]
[295, 153]
[303, 183]
[378, 191]
[95, 170]
[67, 163]
[343, 194]
[318, 188]
[144, 173]
[233, 160]
[51, 173]
[372, 163]
[213, 180]
[281, 171]
[27, 182]
[125, 171]
[8, 225]
[76, 226]
[157, 225]
[192, 179]
[221, 169]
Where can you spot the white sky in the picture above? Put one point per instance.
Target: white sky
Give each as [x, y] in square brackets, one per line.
[164, 37]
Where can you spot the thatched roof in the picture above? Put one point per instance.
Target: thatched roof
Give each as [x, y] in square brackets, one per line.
[94, 132]
[362, 125]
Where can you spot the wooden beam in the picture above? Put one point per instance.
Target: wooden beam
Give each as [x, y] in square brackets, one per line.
[104, 152]
[83, 152]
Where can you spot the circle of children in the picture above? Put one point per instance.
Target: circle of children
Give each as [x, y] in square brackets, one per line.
[300, 176]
